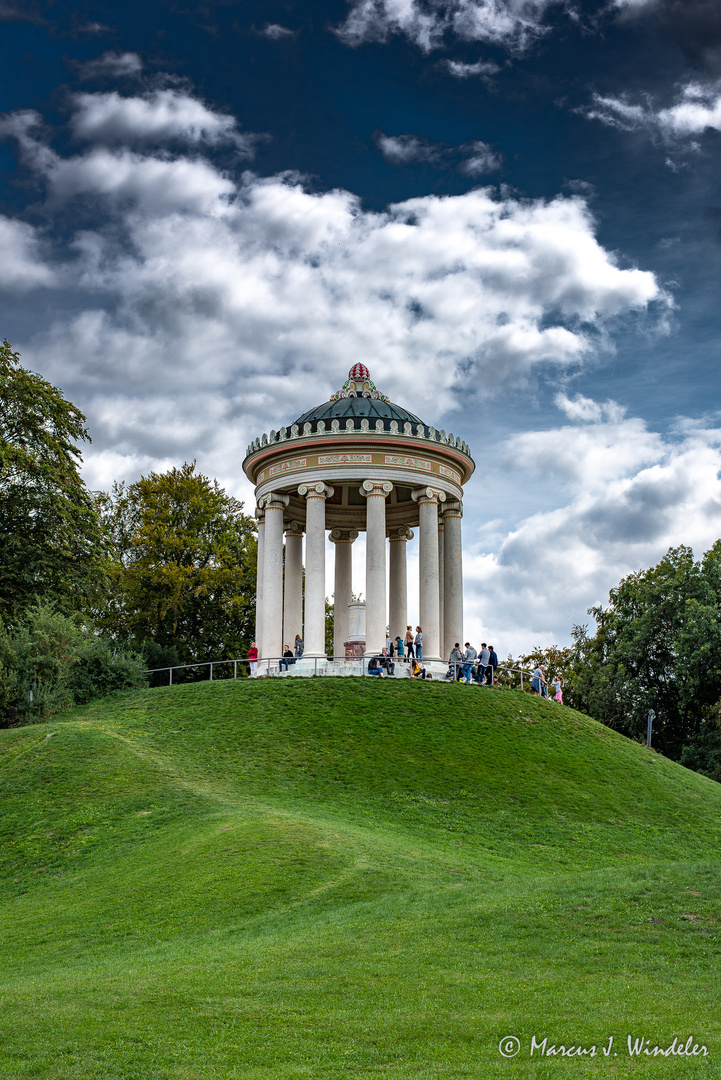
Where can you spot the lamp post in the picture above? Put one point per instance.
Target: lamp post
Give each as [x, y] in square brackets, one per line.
[651, 718]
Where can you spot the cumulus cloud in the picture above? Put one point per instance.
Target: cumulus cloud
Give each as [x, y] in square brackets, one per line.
[618, 494]
[22, 265]
[512, 24]
[161, 116]
[201, 308]
[112, 65]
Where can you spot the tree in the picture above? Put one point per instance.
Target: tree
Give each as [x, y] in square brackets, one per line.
[51, 544]
[51, 662]
[183, 569]
[657, 646]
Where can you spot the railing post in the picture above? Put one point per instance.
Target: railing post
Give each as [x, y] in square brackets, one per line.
[521, 678]
[235, 669]
[171, 676]
[211, 672]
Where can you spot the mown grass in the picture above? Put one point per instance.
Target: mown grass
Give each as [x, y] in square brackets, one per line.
[324, 878]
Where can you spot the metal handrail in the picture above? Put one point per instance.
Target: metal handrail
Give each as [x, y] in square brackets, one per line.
[360, 660]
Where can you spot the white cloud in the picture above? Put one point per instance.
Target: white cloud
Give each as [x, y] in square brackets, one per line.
[280, 280]
[405, 149]
[481, 159]
[22, 265]
[112, 65]
[586, 409]
[513, 24]
[160, 116]
[697, 108]
[481, 69]
[276, 32]
[160, 185]
[619, 496]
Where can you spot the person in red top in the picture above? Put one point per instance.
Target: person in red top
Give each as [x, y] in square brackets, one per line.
[253, 657]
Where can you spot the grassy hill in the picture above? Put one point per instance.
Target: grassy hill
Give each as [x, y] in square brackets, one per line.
[329, 878]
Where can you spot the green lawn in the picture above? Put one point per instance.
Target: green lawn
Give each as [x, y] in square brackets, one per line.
[351, 878]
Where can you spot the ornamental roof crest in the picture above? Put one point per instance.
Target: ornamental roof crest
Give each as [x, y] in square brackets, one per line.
[359, 384]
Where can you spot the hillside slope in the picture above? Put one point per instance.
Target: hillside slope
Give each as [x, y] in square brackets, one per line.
[315, 878]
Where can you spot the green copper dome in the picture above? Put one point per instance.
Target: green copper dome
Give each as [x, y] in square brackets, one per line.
[359, 398]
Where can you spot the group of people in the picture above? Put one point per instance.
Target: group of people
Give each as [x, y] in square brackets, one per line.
[464, 664]
[289, 655]
[407, 648]
[468, 664]
[542, 688]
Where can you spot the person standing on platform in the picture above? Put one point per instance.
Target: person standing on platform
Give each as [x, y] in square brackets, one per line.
[483, 659]
[492, 665]
[455, 662]
[409, 643]
[253, 657]
[468, 658]
[299, 646]
[419, 643]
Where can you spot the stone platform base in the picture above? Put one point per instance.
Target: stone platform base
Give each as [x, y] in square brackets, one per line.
[305, 668]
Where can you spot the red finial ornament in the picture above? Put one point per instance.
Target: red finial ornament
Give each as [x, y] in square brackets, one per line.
[359, 373]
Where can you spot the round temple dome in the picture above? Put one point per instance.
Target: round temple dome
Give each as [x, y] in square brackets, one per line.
[359, 398]
[372, 408]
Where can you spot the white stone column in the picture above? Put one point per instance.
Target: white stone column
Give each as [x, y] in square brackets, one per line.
[260, 518]
[375, 493]
[441, 578]
[315, 496]
[398, 582]
[343, 589]
[453, 576]
[428, 499]
[293, 598]
[272, 617]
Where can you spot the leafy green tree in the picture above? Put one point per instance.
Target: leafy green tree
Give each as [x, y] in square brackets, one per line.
[657, 646]
[51, 662]
[51, 544]
[183, 571]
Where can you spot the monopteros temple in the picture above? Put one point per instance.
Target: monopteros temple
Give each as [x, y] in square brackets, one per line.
[358, 463]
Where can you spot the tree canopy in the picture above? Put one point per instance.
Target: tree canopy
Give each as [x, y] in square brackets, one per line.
[51, 544]
[658, 646]
[183, 565]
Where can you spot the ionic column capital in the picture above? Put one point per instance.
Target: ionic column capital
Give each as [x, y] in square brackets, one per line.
[273, 501]
[429, 495]
[376, 487]
[453, 508]
[294, 528]
[343, 536]
[316, 491]
[401, 533]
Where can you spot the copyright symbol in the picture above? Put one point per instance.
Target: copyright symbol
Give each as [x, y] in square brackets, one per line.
[509, 1046]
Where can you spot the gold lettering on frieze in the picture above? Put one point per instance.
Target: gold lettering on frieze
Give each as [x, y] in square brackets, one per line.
[286, 466]
[409, 462]
[344, 459]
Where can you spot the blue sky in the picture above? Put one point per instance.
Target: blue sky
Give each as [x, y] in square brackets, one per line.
[508, 209]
